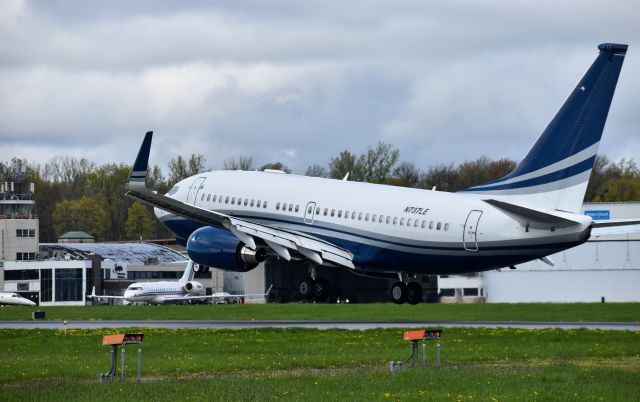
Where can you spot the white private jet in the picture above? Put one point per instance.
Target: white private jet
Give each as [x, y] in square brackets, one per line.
[167, 292]
[14, 299]
[235, 219]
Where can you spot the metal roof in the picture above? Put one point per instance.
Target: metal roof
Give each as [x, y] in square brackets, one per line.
[130, 253]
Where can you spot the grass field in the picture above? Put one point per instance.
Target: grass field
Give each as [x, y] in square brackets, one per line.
[295, 364]
[628, 312]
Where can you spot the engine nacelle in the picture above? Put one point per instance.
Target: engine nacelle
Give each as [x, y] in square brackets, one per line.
[219, 248]
[191, 286]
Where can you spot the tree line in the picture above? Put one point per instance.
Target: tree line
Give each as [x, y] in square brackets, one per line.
[77, 194]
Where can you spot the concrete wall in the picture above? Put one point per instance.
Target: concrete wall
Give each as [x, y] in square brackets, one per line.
[562, 286]
[10, 244]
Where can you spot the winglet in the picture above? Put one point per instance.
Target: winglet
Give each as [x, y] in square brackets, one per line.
[139, 171]
[93, 292]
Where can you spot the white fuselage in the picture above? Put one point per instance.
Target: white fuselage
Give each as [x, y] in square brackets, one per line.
[161, 292]
[14, 299]
[387, 228]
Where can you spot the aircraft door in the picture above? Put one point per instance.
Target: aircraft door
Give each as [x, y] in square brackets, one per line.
[194, 190]
[470, 234]
[310, 212]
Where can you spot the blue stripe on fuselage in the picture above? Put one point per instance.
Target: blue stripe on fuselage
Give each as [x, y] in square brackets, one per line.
[373, 257]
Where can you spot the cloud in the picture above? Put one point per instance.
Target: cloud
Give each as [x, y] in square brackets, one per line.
[300, 81]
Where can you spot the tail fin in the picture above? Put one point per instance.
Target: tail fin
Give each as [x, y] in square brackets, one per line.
[189, 272]
[555, 173]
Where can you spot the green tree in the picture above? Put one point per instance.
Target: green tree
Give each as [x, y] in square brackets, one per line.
[276, 166]
[140, 222]
[377, 164]
[345, 163]
[180, 168]
[85, 214]
[316, 171]
[406, 174]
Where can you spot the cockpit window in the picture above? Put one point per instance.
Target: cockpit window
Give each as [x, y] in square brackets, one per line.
[173, 190]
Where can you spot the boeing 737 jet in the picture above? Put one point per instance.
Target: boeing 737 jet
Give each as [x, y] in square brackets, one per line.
[235, 219]
[167, 292]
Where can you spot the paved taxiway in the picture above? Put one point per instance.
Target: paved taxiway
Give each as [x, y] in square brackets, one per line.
[350, 325]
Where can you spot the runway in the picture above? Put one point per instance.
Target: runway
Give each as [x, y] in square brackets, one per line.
[348, 325]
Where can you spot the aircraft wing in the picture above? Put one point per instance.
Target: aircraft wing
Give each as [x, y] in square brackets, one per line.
[94, 296]
[280, 240]
[615, 226]
[222, 295]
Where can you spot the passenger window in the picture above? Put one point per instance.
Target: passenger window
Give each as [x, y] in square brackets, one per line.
[284, 206]
[309, 209]
[246, 201]
[346, 214]
[438, 227]
[226, 199]
[415, 224]
[252, 202]
[278, 206]
[239, 201]
[220, 198]
[214, 198]
[264, 204]
[339, 213]
[401, 221]
[446, 227]
[333, 211]
[366, 217]
[374, 218]
[353, 215]
[326, 211]
[297, 207]
[395, 220]
[208, 197]
[202, 198]
[409, 222]
[258, 204]
[290, 207]
[424, 224]
[318, 211]
[233, 200]
[431, 225]
[360, 216]
[380, 219]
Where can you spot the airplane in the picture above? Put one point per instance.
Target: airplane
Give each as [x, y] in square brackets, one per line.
[233, 220]
[167, 292]
[14, 299]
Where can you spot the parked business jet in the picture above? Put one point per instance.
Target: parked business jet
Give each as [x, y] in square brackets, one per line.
[14, 299]
[233, 219]
[166, 292]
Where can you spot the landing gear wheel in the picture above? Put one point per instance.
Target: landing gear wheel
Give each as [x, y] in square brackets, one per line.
[399, 292]
[414, 293]
[322, 289]
[306, 288]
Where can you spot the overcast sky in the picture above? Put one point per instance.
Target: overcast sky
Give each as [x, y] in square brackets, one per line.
[300, 81]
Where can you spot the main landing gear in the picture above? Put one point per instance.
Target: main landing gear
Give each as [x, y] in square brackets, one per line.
[313, 289]
[406, 292]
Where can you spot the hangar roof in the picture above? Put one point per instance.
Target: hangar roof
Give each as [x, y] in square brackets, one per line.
[130, 253]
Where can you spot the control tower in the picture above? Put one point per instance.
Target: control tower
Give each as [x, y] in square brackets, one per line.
[18, 225]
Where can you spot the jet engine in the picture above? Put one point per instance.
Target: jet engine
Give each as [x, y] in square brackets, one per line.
[190, 286]
[214, 247]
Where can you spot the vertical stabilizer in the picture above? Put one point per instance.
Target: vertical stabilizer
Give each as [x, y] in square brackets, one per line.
[555, 172]
[189, 272]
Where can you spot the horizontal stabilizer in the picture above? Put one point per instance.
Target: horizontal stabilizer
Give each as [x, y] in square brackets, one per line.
[615, 227]
[531, 216]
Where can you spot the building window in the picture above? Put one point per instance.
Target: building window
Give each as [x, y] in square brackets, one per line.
[21, 275]
[25, 256]
[68, 284]
[470, 291]
[25, 233]
[46, 285]
[447, 292]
